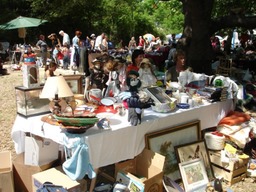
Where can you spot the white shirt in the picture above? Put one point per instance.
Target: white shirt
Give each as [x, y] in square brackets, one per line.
[98, 42]
[66, 39]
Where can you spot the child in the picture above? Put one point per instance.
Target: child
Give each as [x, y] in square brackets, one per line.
[49, 69]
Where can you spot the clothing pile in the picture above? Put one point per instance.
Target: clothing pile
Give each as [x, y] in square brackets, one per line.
[238, 127]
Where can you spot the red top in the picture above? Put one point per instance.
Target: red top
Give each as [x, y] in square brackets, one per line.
[141, 42]
[132, 67]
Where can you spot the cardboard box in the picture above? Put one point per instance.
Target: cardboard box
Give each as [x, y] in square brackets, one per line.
[143, 173]
[23, 173]
[6, 173]
[40, 151]
[57, 176]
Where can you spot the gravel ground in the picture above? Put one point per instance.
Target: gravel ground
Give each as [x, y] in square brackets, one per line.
[8, 114]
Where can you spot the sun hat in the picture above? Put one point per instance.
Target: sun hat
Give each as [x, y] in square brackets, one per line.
[93, 35]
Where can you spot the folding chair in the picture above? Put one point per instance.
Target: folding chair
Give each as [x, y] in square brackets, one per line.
[225, 67]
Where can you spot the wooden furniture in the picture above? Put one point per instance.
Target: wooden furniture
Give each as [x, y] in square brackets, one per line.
[225, 67]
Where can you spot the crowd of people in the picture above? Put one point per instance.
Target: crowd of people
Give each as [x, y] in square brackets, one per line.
[66, 52]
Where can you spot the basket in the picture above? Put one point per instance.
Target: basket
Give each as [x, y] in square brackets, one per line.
[214, 142]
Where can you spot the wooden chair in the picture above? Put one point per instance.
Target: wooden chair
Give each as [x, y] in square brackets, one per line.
[225, 67]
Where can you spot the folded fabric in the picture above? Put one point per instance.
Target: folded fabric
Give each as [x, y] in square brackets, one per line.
[234, 118]
[238, 134]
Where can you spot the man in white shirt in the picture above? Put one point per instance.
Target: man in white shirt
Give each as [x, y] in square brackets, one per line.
[66, 38]
[98, 41]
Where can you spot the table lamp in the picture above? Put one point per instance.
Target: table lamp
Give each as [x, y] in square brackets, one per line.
[56, 87]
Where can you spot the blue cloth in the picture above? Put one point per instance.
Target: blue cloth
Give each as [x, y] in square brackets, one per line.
[79, 164]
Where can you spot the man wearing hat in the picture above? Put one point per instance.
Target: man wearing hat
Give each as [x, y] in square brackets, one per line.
[92, 42]
[66, 39]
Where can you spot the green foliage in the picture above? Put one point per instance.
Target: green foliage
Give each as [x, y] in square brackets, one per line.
[223, 8]
[120, 19]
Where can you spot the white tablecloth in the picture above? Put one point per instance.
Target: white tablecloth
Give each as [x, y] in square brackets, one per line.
[122, 141]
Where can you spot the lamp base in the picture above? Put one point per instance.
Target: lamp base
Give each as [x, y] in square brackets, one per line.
[56, 107]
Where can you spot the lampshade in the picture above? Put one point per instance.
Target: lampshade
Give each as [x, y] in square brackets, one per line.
[56, 85]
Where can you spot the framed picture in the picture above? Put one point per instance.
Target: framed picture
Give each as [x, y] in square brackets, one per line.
[193, 175]
[195, 150]
[75, 82]
[164, 141]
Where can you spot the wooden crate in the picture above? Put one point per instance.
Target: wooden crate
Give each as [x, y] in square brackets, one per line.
[215, 157]
[232, 172]
[230, 177]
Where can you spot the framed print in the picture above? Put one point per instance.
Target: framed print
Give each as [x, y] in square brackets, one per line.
[193, 175]
[164, 141]
[75, 82]
[195, 150]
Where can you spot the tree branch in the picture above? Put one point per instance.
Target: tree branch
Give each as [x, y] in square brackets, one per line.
[232, 21]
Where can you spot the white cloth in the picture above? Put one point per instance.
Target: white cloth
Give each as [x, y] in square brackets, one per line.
[122, 141]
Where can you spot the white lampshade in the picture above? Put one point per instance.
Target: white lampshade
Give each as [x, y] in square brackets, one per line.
[56, 85]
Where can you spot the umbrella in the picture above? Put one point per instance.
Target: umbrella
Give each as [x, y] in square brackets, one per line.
[219, 37]
[149, 36]
[22, 22]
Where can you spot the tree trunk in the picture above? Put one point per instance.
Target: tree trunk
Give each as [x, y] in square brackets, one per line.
[199, 27]
[197, 34]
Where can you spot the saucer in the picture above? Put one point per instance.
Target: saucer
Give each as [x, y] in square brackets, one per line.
[107, 101]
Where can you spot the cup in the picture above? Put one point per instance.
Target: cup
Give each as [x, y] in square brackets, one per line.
[94, 95]
[184, 99]
[191, 102]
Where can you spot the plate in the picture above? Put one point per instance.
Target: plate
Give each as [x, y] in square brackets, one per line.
[107, 101]
[183, 105]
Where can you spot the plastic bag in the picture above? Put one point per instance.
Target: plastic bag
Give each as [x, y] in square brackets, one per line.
[50, 187]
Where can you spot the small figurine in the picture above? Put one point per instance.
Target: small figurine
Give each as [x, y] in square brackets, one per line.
[97, 76]
[113, 84]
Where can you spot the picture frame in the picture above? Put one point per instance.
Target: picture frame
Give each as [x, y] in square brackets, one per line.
[195, 150]
[193, 175]
[75, 82]
[164, 141]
